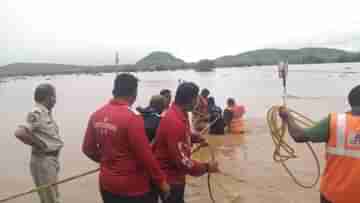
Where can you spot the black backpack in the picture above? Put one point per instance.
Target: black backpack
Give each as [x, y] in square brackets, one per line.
[151, 122]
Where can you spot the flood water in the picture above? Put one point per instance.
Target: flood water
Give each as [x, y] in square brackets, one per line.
[251, 174]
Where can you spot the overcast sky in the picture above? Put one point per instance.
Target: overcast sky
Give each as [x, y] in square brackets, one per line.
[90, 31]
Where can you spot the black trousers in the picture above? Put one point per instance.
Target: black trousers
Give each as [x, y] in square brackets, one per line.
[109, 197]
[323, 199]
[177, 193]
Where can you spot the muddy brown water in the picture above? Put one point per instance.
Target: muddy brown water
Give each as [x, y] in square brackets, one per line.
[252, 174]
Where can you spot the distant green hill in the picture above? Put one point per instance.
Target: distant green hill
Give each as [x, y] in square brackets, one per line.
[296, 56]
[31, 69]
[204, 65]
[157, 61]
[159, 58]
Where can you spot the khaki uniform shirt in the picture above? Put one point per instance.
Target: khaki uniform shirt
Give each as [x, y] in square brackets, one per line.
[44, 130]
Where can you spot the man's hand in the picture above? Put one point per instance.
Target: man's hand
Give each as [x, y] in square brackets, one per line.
[204, 143]
[197, 138]
[213, 167]
[284, 114]
[165, 189]
[202, 140]
[23, 135]
[295, 131]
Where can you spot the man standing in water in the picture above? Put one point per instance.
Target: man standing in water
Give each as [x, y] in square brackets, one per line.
[174, 140]
[215, 118]
[200, 113]
[42, 134]
[233, 117]
[340, 182]
[115, 138]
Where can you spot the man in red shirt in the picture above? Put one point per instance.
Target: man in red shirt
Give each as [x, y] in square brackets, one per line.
[173, 143]
[116, 139]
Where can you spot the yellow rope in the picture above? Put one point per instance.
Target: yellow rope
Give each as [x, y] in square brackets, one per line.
[283, 151]
[212, 154]
[49, 185]
[213, 158]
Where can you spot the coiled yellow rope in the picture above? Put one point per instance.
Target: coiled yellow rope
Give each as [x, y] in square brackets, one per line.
[283, 151]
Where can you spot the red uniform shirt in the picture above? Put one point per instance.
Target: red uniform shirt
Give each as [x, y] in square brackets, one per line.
[116, 138]
[172, 147]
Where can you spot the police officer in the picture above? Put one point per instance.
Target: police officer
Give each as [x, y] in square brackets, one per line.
[42, 133]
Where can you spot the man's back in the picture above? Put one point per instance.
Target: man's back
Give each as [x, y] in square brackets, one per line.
[110, 124]
[173, 147]
[173, 127]
[123, 150]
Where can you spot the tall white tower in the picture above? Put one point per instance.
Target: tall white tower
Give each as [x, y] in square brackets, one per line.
[117, 58]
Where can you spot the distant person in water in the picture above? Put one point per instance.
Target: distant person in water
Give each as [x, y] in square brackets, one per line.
[233, 117]
[200, 114]
[215, 118]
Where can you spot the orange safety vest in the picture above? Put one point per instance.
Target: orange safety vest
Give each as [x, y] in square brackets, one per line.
[237, 123]
[340, 182]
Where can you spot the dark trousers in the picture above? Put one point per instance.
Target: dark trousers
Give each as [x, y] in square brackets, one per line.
[176, 194]
[109, 197]
[323, 199]
[154, 193]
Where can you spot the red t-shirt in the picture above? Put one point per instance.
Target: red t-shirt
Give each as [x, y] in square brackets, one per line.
[116, 138]
[172, 147]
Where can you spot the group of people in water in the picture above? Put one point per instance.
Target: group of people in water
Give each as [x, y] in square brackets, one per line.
[144, 154]
[206, 112]
[206, 115]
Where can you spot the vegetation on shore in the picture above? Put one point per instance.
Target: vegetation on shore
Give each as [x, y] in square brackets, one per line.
[158, 61]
